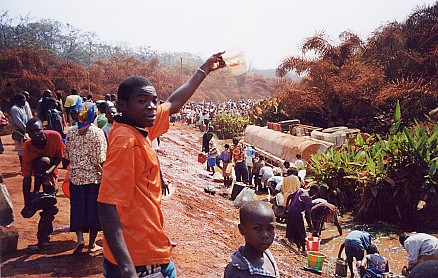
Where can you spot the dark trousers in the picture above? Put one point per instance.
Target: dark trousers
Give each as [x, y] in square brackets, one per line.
[241, 171]
[112, 271]
[47, 215]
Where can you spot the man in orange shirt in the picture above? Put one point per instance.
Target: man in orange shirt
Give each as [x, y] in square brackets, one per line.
[131, 188]
[41, 155]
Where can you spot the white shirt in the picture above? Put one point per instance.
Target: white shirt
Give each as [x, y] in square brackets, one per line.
[418, 245]
[299, 163]
[278, 182]
[266, 172]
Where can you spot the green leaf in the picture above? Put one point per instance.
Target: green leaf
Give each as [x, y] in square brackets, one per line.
[409, 137]
[433, 137]
[397, 115]
[432, 169]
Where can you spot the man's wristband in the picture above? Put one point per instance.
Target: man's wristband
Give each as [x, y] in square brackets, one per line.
[203, 71]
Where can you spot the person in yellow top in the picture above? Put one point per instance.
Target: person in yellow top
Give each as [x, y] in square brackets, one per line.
[290, 183]
[129, 201]
[70, 101]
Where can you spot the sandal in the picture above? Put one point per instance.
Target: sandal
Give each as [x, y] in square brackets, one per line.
[78, 248]
[33, 249]
[45, 245]
[94, 249]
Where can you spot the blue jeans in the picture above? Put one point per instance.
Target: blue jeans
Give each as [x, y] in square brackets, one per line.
[111, 270]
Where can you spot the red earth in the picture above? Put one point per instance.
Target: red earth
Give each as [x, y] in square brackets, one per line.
[203, 226]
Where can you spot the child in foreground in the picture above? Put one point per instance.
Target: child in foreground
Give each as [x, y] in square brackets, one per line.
[257, 225]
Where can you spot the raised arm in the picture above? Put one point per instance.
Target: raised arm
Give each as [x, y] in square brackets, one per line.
[178, 98]
[340, 250]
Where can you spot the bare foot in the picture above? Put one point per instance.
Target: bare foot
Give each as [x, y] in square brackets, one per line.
[78, 248]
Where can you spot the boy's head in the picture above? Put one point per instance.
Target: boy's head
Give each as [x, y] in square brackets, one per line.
[102, 107]
[286, 164]
[110, 112]
[402, 238]
[257, 224]
[298, 156]
[372, 249]
[137, 101]
[34, 127]
[226, 146]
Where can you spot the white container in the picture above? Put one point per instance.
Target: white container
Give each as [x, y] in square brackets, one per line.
[235, 61]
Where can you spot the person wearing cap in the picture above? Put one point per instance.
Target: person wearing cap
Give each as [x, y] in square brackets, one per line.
[85, 148]
[41, 155]
[421, 247]
[70, 102]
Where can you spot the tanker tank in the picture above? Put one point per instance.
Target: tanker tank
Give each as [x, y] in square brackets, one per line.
[283, 146]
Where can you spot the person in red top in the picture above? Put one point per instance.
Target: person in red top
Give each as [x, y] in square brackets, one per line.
[41, 155]
[129, 201]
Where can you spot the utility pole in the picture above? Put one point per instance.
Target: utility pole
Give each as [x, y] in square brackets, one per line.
[181, 73]
[89, 84]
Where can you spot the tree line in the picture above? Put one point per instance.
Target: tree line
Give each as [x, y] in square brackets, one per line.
[358, 82]
[47, 54]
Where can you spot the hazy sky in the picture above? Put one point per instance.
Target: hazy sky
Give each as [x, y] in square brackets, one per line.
[267, 31]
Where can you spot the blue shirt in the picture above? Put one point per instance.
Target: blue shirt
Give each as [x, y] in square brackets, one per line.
[360, 239]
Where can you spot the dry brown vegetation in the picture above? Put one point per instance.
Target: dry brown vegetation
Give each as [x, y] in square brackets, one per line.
[358, 83]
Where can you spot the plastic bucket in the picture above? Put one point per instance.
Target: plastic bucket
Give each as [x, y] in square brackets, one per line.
[237, 188]
[235, 62]
[341, 268]
[312, 243]
[202, 158]
[315, 260]
[211, 161]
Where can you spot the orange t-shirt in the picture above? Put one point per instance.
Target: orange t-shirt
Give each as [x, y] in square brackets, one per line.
[131, 181]
[53, 149]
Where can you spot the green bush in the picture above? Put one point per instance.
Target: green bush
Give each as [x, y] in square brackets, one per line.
[227, 125]
[383, 178]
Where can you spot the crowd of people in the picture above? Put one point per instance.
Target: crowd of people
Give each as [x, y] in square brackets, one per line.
[116, 133]
[203, 113]
[293, 201]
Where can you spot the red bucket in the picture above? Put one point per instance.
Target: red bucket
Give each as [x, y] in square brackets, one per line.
[312, 243]
[202, 158]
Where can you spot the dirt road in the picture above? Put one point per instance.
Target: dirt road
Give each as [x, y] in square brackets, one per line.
[204, 226]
